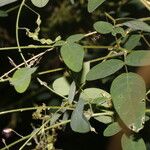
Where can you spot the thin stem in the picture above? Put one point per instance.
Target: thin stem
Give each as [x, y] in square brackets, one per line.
[17, 34]
[51, 46]
[50, 71]
[106, 57]
[12, 9]
[146, 41]
[33, 108]
[89, 34]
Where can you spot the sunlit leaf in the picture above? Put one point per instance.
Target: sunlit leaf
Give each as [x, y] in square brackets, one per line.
[72, 54]
[86, 69]
[61, 86]
[128, 92]
[96, 96]
[129, 143]
[40, 3]
[72, 92]
[132, 41]
[93, 4]
[105, 69]
[103, 27]
[138, 58]
[75, 38]
[112, 129]
[21, 79]
[104, 119]
[3, 13]
[5, 2]
[137, 25]
[79, 123]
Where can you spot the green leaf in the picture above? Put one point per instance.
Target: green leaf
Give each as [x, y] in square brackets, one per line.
[61, 86]
[5, 2]
[96, 96]
[137, 25]
[40, 3]
[3, 13]
[130, 144]
[86, 69]
[105, 69]
[128, 93]
[103, 27]
[118, 30]
[104, 119]
[21, 79]
[72, 92]
[79, 123]
[72, 55]
[75, 38]
[112, 129]
[132, 41]
[138, 58]
[93, 4]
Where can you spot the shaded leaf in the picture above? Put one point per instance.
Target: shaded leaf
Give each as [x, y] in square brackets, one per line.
[105, 69]
[130, 144]
[103, 27]
[112, 129]
[132, 41]
[40, 3]
[79, 123]
[61, 86]
[72, 55]
[118, 30]
[21, 79]
[75, 38]
[93, 4]
[137, 25]
[138, 58]
[72, 92]
[3, 13]
[96, 96]
[128, 92]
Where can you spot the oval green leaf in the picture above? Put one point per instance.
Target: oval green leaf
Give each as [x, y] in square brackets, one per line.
[21, 79]
[104, 69]
[96, 96]
[103, 27]
[132, 41]
[128, 93]
[138, 58]
[112, 129]
[73, 54]
[118, 30]
[130, 144]
[104, 119]
[75, 38]
[137, 25]
[5, 2]
[61, 86]
[40, 3]
[93, 4]
[79, 122]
